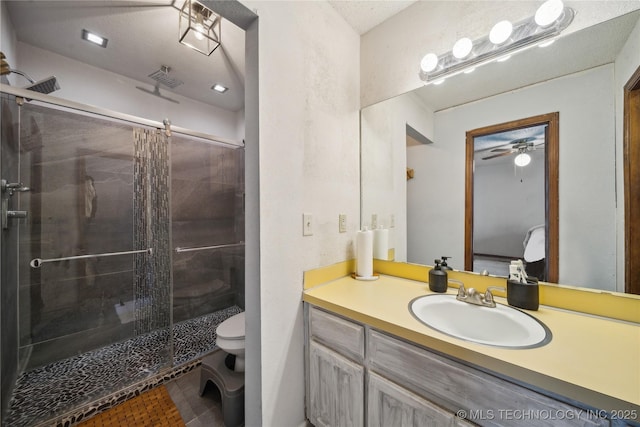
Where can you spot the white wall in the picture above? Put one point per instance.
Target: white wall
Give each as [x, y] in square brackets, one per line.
[309, 162]
[586, 176]
[508, 201]
[391, 52]
[7, 39]
[384, 158]
[626, 64]
[93, 86]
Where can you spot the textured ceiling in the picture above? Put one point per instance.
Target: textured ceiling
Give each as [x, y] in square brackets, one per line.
[143, 36]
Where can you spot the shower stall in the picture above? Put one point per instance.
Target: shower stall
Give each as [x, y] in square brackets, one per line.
[121, 251]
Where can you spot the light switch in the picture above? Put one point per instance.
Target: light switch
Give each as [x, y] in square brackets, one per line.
[307, 224]
[342, 223]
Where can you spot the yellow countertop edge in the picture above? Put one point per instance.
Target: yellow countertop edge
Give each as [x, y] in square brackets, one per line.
[462, 351]
[589, 301]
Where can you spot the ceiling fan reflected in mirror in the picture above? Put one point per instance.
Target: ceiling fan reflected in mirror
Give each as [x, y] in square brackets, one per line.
[520, 146]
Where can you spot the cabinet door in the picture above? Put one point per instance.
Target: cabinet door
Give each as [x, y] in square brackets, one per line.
[336, 389]
[391, 405]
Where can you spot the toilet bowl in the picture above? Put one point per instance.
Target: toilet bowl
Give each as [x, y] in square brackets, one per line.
[230, 338]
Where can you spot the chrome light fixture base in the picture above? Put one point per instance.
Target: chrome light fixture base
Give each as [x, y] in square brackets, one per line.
[526, 33]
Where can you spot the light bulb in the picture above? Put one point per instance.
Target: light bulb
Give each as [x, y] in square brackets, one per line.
[548, 12]
[198, 31]
[547, 43]
[462, 48]
[429, 62]
[522, 159]
[501, 32]
[198, 27]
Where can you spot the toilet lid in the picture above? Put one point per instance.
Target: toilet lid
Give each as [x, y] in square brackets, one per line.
[232, 328]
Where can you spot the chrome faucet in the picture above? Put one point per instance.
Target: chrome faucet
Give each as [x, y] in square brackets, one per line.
[474, 297]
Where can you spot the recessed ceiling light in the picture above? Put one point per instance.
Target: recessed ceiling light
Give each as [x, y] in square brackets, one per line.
[94, 38]
[219, 88]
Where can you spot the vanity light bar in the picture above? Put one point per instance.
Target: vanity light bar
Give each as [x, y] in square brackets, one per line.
[526, 34]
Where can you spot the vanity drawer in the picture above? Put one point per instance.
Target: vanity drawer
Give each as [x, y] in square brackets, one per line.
[486, 400]
[343, 336]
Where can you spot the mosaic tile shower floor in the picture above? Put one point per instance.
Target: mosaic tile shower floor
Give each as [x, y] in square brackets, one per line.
[50, 391]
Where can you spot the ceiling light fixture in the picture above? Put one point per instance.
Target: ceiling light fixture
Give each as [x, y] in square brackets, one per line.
[462, 48]
[549, 12]
[219, 88]
[547, 43]
[501, 32]
[505, 39]
[199, 27]
[522, 159]
[94, 38]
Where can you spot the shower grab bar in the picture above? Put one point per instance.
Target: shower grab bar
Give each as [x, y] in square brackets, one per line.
[37, 262]
[203, 248]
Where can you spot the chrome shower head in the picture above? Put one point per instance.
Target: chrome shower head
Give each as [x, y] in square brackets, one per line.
[45, 86]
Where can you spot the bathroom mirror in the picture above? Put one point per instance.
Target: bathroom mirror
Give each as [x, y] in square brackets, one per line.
[575, 77]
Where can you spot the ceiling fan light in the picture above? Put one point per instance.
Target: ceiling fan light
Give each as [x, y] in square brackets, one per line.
[522, 159]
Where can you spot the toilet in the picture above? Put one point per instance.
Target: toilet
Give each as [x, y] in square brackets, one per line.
[230, 338]
[220, 369]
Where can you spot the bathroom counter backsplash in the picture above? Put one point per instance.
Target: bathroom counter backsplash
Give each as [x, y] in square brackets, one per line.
[590, 359]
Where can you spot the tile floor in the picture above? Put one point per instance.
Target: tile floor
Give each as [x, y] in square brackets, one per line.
[196, 411]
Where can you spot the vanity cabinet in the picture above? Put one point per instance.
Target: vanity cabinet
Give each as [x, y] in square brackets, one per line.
[335, 386]
[358, 376]
[389, 404]
[336, 389]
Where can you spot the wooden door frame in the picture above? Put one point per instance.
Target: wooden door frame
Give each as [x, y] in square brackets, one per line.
[631, 164]
[552, 158]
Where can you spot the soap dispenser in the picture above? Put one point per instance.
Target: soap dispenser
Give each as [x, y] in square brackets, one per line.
[438, 278]
[444, 264]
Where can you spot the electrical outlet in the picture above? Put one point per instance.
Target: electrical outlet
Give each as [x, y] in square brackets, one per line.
[374, 221]
[307, 224]
[342, 223]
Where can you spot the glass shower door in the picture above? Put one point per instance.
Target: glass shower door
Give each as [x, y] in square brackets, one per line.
[83, 253]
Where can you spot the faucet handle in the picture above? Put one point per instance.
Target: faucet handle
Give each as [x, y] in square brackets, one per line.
[488, 296]
[462, 292]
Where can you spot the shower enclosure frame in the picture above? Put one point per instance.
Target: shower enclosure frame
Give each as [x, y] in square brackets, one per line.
[23, 95]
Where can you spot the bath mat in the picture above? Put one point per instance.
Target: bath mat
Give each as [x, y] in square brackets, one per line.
[153, 408]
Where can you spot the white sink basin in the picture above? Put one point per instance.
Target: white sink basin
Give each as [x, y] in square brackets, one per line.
[500, 326]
